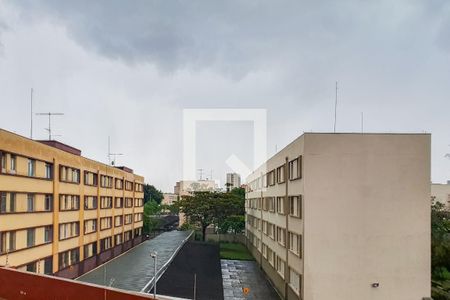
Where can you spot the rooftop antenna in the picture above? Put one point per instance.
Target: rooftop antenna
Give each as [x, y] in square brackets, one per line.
[31, 114]
[113, 161]
[201, 173]
[49, 129]
[335, 107]
[362, 122]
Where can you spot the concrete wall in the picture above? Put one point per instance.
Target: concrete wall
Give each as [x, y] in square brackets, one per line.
[365, 217]
[441, 193]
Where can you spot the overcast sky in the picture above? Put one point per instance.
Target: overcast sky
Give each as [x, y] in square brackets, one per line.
[127, 69]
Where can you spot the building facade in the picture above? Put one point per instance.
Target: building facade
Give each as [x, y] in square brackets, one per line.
[441, 193]
[187, 187]
[59, 209]
[344, 216]
[233, 181]
[169, 198]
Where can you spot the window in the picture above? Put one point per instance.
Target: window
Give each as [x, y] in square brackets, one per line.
[105, 223]
[13, 164]
[12, 202]
[264, 250]
[118, 239]
[48, 171]
[138, 231]
[271, 177]
[138, 202]
[7, 241]
[128, 235]
[30, 202]
[280, 174]
[48, 265]
[31, 267]
[3, 162]
[281, 236]
[295, 206]
[280, 265]
[128, 202]
[295, 242]
[48, 203]
[106, 181]
[68, 258]
[69, 230]
[90, 202]
[90, 226]
[90, 178]
[128, 219]
[118, 220]
[295, 168]
[270, 204]
[3, 202]
[31, 167]
[119, 184]
[280, 205]
[69, 202]
[90, 249]
[138, 217]
[128, 185]
[294, 281]
[31, 237]
[105, 244]
[69, 174]
[118, 202]
[105, 202]
[48, 234]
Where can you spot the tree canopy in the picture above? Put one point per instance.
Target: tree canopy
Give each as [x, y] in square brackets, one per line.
[226, 210]
[151, 193]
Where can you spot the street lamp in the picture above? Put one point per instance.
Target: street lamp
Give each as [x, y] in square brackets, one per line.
[154, 255]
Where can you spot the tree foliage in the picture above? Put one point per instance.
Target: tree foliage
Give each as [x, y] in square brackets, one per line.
[226, 210]
[151, 223]
[440, 241]
[151, 193]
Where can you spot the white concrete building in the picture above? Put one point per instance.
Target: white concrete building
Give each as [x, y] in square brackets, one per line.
[344, 216]
[233, 181]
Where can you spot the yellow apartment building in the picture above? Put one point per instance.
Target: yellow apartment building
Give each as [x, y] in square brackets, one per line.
[344, 216]
[61, 213]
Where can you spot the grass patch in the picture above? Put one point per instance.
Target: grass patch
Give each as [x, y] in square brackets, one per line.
[234, 251]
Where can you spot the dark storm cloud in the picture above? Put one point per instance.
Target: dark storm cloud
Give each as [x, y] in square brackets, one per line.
[232, 36]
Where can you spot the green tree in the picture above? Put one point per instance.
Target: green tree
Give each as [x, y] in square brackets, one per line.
[200, 208]
[151, 193]
[151, 223]
[440, 241]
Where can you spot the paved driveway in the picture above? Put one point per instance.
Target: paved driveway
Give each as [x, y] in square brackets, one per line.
[239, 274]
[134, 269]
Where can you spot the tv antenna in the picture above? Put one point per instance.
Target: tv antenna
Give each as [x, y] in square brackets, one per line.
[31, 114]
[113, 161]
[201, 173]
[49, 129]
[335, 107]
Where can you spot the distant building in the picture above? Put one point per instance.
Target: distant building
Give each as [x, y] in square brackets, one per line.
[187, 187]
[441, 193]
[169, 198]
[60, 212]
[344, 216]
[233, 181]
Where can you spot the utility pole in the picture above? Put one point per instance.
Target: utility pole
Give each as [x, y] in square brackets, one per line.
[335, 107]
[31, 114]
[201, 173]
[49, 129]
